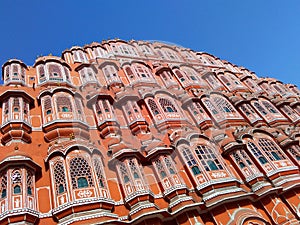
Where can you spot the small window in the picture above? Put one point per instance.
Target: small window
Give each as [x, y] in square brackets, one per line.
[17, 189]
[156, 112]
[65, 109]
[196, 170]
[61, 189]
[48, 112]
[171, 171]
[101, 183]
[6, 111]
[3, 194]
[212, 165]
[242, 165]
[126, 179]
[226, 109]
[170, 109]
[82, 182]
[16, 109]
[276, 157]
[29, 191]
[55, 74]
[15, 74]
[193, 78]
[262, 160]
[163, 174]
[32, 78]
[135, 175]
[99, 112]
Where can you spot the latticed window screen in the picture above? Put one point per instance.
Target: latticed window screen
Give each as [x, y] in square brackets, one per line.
[180, 75]
[241, 159]
[81, 56]
[41, 72]
[80, 172]
[222, 104]
[98, 108]
[16, 180]
[7, 73]
[134, 169]
[64, 104]
[210, 106]
[256, 152]
[59, 178]
[290, 112]
[208, 158]
[167, 105]
[16, 103]
[78, 105]
[154, 108]
[23, 73]
[106, 105]
[3, 187]
[29, 183]
[48, 105]
[196, 108]
[67, 73]
[124, 173]
[272, 151]
[142, 71]
[129, 72]
[15, 69]
[269, 107]
[98, 168]
[169, 165]
[6, 104]
[225, 80]
[260, 108]
[295, 151]
[161, 170]
[191, 161]
[54, 70]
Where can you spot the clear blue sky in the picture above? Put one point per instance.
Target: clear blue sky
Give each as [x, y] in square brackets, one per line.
[258, 34]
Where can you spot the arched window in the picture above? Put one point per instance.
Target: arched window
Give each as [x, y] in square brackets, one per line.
[3, 187]
[16, 105]
[225, 80]
[256, 152]
[80, 172]
[290, 113]
[272, 151]
[111, 74]
[41, 73]
[98, 169]
[153, 106]
[268, 105]
[64, 104]
[260, 108]
[191, 161]
[16, 180]
[29, 183]
[295, 152]
[59, 178]
[210, 107]
[208, 158]
[222, 104]
[167, 105]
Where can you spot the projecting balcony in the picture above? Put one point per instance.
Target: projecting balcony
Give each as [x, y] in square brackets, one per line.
[65, 124]
[95, 206]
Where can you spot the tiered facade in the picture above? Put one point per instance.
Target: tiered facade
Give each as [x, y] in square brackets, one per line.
[146, 133]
